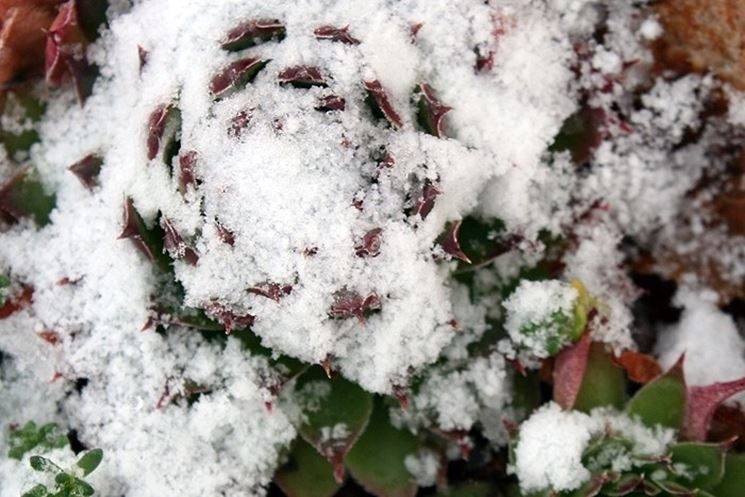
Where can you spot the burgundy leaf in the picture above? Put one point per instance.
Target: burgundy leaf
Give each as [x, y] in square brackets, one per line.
[414, 30]
[174, 243]
[402, 394]
[51, 337]
[186, 162]
[236, 75]
[17, 302]
[369, 246]
[388, 161]
[569, 371]
[701, 404]
[87, 170]
[485, 62]
[348, 303]
[331, 103]
[134, 229]
[431, 111]
[301, 76]
[380, 103]
[253, 32]
[424, 198]
[65, 44]
[225, 234]
[273, 291]
[156, 126]
[228, 318]
[335, 34]
[450, 244]
[239, 122]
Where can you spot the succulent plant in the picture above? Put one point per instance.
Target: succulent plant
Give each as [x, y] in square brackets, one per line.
[67, 483]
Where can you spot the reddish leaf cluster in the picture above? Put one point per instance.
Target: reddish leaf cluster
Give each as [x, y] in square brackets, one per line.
[336, 34]
[369, 245]
[348, 303]
[270, 290]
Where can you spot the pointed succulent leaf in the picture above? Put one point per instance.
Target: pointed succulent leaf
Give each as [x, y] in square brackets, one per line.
[331, 103]
[252, 33]
[733, 481]
[225, 235]
[423, 196]
[148, 241]
[569, 371]
[335, 34]
[87, 169]
[450, 243]
[431, 112]
[348, 303]
[186, 180]
[625, 485]
[236, 76]
[228, 318]
[301, 77]
[336, 412]
[163, 130]
[378, 101]
[603, 383]
[702, 402]
[369, 245]
[23, 195]
[662, 401]
[377, 460]
[65, 43]
[90, 461]
[704, 463]
[82, 488]
[675, 489]
[306, 473]
[175, 245]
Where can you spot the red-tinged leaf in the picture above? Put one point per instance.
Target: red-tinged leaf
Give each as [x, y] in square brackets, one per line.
[662, 401]
[236, 76]
[229, 319]
[331, 103]
[306, 473]
[87, 169]
[424, 198]
[270, 290]
[23, 39]
[381, 106]
[65, 44]
[569, 371]
[432, 112]
[335, 34]
[156, 127]
[402, 394]
[414, 30]
[225, 235]
[17, 302]
[484, 62]
[387, 162]
[450, 244]
[348, 303]
[23, 195]
[702, 402]
[49, 336]
[149, 242]
[186, 162]
[301, 77]
[727, 423]
[640, 368]
[239, 122]
[603, 384]
[175, 245]
[369, 245]
[252, 33]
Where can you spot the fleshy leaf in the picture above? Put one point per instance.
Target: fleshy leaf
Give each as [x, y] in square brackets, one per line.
[640, 368]
[702, 402]
[90, 461]
[431, 112]
[336, 412]
[87, 169]
[39, 463]
[424, 196]
[147, 241]
[603, 383]
[187, 161]
[335, 34]
[163, 128]
[450, 243]
[377, 460]
[252, 33]
[306, 473]
[377, 99]
[733, 481]
[704, 463]
[369, 245]
[236, 76]
[331, 103]
[348, 303]
[37, 491]
[569, 371]
[663, 400]
[175, 245]
[301, 77]
[24, 196]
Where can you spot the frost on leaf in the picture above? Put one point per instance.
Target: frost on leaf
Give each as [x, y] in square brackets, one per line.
[369, 245]
[23, 195]
[273, 291]
[431, 112]
[301, 77]
[253, 32]
[187, 179]
[348, 303]
[424, 193]
[228, 318]
[378, 101]
[331, 103]
[236, 76]
[450, 243]
[174, 243]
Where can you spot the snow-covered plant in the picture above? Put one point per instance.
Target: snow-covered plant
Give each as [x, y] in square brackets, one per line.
[32, 437]
[67, 483]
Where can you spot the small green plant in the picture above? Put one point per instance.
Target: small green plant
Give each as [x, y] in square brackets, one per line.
[66, 483]
[31, 436]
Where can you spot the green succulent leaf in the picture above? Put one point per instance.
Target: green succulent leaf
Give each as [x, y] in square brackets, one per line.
[90, 461]
[704, 463]
[306, 473]
[336, 412]
[40, 463]
[471, 489]
[377, 460]
[31, 437]
[37, 491]
[733, 480]
[661, 401]
[603, 383]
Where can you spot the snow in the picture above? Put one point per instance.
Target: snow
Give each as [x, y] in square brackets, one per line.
[423, 466]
